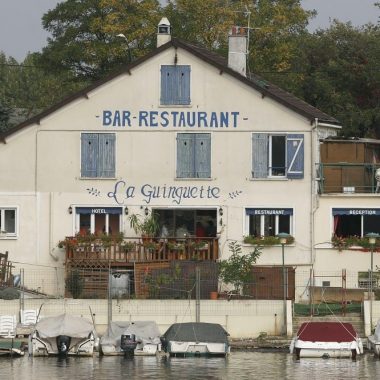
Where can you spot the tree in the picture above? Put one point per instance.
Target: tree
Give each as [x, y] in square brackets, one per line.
[84, 35]
[274, 27]
[341, 76]
[237, 269]
[26, 88]
[4, 117]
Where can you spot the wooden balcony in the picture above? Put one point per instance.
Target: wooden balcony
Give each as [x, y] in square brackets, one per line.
[137, 250]
[348, 178]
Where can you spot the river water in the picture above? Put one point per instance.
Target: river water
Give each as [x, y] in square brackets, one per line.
[239, 365]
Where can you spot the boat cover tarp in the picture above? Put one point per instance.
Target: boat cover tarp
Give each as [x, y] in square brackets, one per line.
[64, 324]
[197, 332]
[326, 332]
[145, 332]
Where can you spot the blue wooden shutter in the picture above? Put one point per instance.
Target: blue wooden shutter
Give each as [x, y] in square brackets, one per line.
[183, 87]
[295, 156]
[89, 154]
[167, 84]
[185, 155]
[260, 155]
[106, 167]
[202, 155]
[175, 84]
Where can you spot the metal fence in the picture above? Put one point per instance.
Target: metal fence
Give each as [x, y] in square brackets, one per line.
[177, 280]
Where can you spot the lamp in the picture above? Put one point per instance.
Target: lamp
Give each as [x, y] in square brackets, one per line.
[146, 211]
[371, 236]
[283, 238]
[126, 211]
[70, 209]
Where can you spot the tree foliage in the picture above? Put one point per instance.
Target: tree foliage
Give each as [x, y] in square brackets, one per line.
[85, 34]
[341, 76]
[26, 88]
[237, 269]
[335, 69]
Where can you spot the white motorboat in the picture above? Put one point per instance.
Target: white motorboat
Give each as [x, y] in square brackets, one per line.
[131, 338]
[196, 339]
[63, 335]
[373, 342]
[325, 340]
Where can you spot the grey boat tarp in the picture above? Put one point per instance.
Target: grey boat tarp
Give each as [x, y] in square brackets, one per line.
[64, 324]
[196, 332]
[146, 332]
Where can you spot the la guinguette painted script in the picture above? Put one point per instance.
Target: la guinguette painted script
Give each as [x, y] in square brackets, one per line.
[122, 191]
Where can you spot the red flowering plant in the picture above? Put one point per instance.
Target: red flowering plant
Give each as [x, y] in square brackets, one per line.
[350, 242]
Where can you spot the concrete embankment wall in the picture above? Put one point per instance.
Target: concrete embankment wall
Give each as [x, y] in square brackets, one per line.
[242, 319]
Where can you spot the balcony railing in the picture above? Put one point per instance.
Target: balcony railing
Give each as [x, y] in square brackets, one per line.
[137, 250]
[348, 178]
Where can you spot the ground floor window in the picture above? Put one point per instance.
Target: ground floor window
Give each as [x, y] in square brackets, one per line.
[187, 222]
[8, 219]
[355, 222]
[269, 221]
[98, 220]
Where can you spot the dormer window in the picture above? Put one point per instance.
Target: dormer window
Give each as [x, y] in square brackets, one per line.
[175, 85]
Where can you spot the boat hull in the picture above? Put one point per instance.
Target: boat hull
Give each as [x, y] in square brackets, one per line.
[48, 346]
[374, 345]
[176, 348]
[305, 349]
[141, 350]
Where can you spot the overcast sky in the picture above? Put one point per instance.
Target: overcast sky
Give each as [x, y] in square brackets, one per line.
[21, 30]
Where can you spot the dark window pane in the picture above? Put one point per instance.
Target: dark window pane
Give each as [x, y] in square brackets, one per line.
[278, 155]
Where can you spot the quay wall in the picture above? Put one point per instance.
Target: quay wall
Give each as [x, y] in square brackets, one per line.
[241, 318]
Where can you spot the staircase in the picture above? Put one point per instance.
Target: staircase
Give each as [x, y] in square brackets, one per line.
[356, 319]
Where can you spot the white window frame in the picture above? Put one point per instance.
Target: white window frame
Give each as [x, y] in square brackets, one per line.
[92, 221]
[3, 233]
[262, 222]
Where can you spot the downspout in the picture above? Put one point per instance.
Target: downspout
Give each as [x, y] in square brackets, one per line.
[314, 201]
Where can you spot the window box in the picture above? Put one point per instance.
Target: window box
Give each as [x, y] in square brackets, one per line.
[353, 243]
[266, 240]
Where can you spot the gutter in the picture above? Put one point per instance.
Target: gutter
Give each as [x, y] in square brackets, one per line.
[314, 201]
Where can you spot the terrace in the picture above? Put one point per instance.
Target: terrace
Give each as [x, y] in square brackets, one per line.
[125, 252]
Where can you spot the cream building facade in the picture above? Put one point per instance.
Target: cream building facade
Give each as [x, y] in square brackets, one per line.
[179, 132]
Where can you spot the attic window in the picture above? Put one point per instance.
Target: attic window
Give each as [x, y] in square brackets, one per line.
[175, 85]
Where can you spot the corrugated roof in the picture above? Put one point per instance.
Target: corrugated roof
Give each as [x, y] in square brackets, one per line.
[264, 87]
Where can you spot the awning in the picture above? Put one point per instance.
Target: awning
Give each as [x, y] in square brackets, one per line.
[98, 210]
[269, 211]
[356, 211]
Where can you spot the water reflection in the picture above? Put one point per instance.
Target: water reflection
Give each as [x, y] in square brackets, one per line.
[239, 365]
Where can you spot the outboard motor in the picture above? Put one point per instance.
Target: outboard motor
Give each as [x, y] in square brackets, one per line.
[128, 344]
[63, 344]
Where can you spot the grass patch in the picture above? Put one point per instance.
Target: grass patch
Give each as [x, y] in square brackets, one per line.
[326, 309]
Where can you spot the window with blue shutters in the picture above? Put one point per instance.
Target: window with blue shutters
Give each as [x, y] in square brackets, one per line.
[98, 155]
[193, 155]
[276, 155]
[175, 85]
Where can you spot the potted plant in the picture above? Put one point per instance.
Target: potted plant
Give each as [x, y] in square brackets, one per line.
[147, 226]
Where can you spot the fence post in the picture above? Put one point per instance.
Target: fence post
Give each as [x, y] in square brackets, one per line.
[109, 297]
[197, 294]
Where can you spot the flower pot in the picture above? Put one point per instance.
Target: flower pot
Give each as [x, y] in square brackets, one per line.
[213, 295]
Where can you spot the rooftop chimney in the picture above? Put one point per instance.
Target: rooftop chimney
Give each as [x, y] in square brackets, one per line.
[163, 32]
[237, 50]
